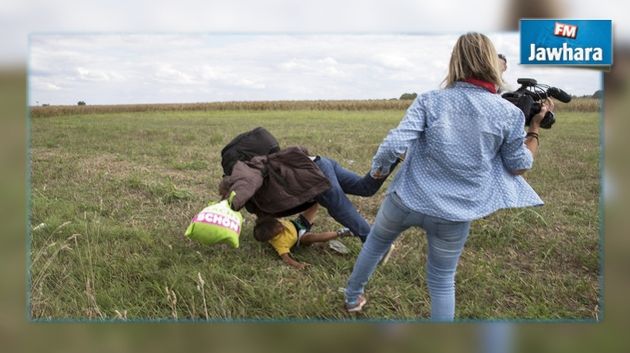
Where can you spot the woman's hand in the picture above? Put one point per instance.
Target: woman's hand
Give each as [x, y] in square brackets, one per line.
[531, 140]
[547, 106]
[378, 175]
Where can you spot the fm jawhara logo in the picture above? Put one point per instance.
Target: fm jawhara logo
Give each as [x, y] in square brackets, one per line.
[566, 42]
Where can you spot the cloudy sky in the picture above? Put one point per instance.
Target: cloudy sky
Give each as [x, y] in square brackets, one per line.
[19, 18]
[180, 68]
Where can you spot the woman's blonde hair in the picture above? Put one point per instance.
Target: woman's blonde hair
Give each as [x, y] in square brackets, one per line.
[474, 56]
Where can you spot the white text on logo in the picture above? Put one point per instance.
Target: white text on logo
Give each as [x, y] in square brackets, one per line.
[565, 30]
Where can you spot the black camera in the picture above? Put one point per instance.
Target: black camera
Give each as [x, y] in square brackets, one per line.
[529, 98]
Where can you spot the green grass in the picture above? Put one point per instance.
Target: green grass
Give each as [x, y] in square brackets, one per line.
[112, 195]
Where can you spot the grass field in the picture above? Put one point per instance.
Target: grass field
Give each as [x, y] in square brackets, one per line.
[112, 193]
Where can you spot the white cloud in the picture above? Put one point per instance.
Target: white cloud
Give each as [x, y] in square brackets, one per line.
[322, 67]
[19, 18]
[46, 86]
[168, 75]
[112, 69]
[212, 73]
[98, 75]
[394, 61]
[246, 83]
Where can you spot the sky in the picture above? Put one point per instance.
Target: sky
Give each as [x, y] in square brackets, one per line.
[130, 68]
[140, 51]
[19, 18]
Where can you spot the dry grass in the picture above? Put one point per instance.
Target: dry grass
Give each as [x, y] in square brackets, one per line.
[577, 105]
[113, 193]
[582, 104]
[376, 104]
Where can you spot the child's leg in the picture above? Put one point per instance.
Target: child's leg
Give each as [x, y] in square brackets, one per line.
[310, 238]
[311, 213]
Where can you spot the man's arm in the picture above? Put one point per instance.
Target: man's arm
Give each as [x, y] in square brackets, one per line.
[244, 181]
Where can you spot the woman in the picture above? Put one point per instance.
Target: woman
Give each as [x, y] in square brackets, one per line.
[465, 150]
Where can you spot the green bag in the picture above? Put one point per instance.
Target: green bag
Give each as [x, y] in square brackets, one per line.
[216, 223]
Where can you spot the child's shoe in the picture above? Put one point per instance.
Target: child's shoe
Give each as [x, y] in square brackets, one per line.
[358, 306]
[344, 232]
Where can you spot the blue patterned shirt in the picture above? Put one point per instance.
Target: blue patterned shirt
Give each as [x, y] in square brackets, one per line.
[461, 144]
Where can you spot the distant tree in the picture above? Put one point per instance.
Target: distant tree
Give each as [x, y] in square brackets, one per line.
[599, 94]
[408, 96]
[81, 103]
[45, 105]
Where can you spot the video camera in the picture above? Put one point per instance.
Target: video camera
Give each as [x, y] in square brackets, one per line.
[529, 98]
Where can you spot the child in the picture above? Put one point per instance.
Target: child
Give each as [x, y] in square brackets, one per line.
[284, 234]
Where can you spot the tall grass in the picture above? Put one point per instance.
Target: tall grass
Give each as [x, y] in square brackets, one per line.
[112, 194]
[376, 104]
[577, 105]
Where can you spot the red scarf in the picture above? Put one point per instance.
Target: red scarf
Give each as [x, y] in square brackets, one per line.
[483, 84]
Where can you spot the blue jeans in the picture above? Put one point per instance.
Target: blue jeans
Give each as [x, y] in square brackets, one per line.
[445, 239]
[344, 182]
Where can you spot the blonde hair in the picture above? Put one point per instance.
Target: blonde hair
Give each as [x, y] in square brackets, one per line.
[474, 56]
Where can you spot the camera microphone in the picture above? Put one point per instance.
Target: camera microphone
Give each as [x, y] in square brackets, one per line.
[529, 99]
[559, 94]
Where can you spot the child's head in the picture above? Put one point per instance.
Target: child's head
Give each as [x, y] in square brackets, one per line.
[266, 228]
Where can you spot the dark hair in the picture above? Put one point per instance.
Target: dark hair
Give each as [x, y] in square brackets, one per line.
[266, 228]
[502, 57]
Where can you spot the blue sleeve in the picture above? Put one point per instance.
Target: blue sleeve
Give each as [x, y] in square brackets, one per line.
[397, 140]
[514, 153]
